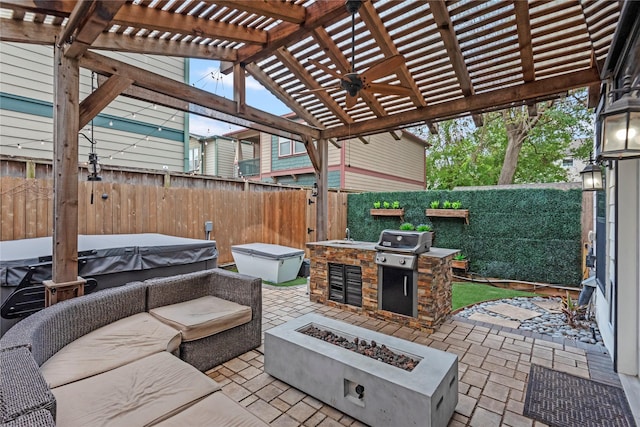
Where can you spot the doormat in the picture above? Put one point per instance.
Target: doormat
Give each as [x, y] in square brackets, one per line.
[563, 400]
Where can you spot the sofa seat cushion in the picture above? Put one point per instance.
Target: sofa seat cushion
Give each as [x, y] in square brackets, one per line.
[140, 393]
[110, 347]
[202, 317]
[215, 410]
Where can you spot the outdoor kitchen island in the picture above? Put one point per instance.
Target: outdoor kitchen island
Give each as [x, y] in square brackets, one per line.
[351, 275]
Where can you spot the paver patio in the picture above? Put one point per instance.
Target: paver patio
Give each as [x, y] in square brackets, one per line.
[493, 365]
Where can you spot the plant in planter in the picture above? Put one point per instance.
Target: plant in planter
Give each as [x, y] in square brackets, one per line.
[395, 205]
[435, 204]
[376, 205]
[460, 262]
[407, 226]
[456, 205]
[386, 205]
[423, 227]
[446, 204]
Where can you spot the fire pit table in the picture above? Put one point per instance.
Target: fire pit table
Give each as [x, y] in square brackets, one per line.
[369, 390]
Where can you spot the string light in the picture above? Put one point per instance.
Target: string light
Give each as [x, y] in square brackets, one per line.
[110, 122]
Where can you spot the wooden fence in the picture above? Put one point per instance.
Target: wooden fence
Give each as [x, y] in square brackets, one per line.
[177, 205]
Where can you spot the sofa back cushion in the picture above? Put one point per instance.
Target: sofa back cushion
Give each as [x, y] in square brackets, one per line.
[110, 347]
[50, 329]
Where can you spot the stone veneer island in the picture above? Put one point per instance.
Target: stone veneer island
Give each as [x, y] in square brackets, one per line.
[434, 280]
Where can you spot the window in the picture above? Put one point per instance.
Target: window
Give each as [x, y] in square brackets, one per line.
[299, 148]
[194, 159]
[287, 147]
[284, 147]
[567, 163]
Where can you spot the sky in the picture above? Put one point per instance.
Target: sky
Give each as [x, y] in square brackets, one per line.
[205, 75]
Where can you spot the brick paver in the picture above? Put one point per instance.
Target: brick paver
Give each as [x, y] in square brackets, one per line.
[493, 367]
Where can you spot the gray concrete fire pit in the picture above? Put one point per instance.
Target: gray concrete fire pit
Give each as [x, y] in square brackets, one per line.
[366, 389]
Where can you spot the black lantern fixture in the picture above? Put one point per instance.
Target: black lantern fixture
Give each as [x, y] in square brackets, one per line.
[94, 168]
[591, 177]
[314, 190]
[621, 125]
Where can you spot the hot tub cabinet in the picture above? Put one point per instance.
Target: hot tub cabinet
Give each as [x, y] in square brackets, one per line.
[368, 390]
[274, 263]
[111, 259]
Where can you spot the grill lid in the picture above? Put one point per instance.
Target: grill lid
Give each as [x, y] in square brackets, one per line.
[413, 242]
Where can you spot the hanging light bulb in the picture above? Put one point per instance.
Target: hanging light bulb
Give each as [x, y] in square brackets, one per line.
[146, 137]
[134, 115]
[159, 129]
[110, 122]
[19, 147]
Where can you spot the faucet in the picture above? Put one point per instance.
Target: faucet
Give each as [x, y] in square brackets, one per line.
[348, 238]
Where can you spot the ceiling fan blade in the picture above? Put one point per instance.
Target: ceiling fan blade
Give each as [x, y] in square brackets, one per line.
[326, 69]
[383, 68]
[351, 101]
[387, 89]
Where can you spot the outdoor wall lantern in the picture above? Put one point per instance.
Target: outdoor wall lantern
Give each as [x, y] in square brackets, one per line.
[94, 168]
[621, 125]
[314, 190]
[591, 177]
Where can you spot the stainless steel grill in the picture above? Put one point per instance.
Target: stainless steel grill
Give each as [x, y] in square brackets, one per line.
[397, 260]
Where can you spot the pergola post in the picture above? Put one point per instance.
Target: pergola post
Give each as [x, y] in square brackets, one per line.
[65, 178]
[322, 202]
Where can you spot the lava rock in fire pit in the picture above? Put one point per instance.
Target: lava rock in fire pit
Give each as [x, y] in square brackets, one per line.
[381, 353]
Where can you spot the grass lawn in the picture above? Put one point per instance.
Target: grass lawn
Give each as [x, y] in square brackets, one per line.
[470, 293]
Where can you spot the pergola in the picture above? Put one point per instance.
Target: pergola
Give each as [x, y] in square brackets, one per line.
[458, 58]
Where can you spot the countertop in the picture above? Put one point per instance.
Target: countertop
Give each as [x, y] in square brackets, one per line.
[370, 246]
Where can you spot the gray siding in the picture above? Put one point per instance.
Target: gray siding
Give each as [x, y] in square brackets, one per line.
[153, 139]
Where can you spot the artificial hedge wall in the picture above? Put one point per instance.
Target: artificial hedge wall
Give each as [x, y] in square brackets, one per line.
[521, 234]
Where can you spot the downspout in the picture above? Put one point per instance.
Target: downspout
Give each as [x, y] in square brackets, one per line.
[216, 155]
[615, 274]
[185, 163]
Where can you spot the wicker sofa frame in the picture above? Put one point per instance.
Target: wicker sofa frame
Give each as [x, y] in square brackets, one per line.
[26, 346]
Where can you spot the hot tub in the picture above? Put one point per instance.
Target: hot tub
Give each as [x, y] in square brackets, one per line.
[274, 263]
[111, 259]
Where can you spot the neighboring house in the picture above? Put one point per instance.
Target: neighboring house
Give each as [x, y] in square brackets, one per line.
[217, 155]
[617, 223]
[128, 132]
[379, 163]
[572, 165]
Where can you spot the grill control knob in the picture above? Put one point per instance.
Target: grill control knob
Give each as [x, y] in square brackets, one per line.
[402, 262]
[382, 259]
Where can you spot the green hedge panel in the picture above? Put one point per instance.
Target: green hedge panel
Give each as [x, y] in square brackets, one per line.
[520, 234]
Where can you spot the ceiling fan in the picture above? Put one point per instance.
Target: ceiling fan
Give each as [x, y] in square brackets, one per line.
[354, 82]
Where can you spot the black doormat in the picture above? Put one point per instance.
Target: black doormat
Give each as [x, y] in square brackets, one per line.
[563, 400]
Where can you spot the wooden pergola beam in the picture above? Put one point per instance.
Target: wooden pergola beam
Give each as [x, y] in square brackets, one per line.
[239, 88]
[305, 77]
[285, 11]
[523, 24]
[65, 167]
[495, 100]
[318, 14]
[447, 33]
[163, 85]
[38, 33]
[101, 97]
[157, 19]
[88, 23]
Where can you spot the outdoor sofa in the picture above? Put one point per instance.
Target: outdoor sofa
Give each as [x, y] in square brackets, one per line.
[133, 355]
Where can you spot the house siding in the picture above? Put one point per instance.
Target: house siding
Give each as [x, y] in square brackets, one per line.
[308, 179]
[368, 182]
[26, 112]
[404, 158]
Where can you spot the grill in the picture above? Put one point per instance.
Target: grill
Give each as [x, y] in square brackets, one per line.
[397, 260]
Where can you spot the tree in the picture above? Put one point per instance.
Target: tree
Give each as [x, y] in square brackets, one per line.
[511, 147]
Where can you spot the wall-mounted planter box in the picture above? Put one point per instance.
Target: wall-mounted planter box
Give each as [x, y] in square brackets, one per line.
[460, 264]
[388, 212]
[450, 213]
